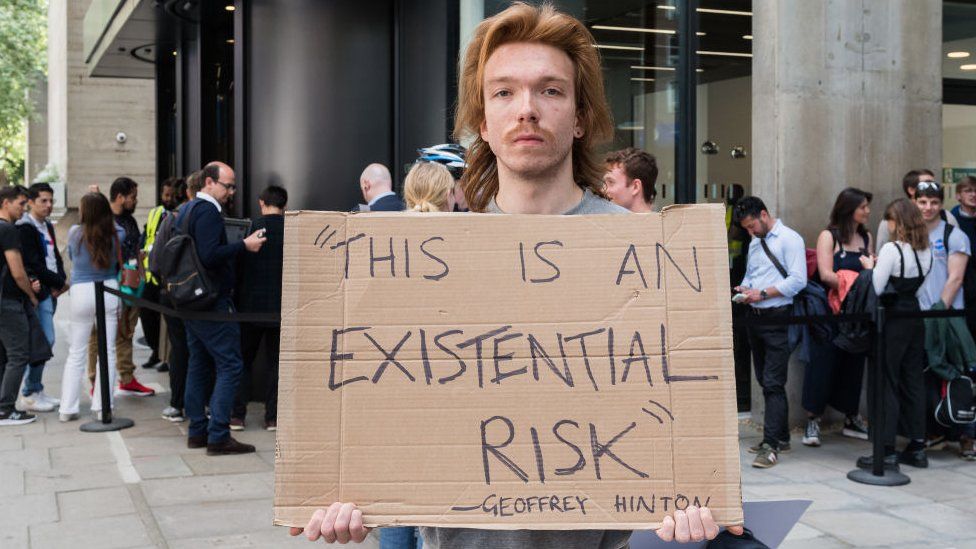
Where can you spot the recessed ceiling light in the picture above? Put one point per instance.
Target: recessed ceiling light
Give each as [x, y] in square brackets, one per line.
[710, 10]
[970, 67]
[230, 7]
[174, 52]
[700, 33]
[723, 53]
[230, 40]
[747, 37]
[957, 54]
[633, 29]
[644, 68]
[609, 47]
[642, 79]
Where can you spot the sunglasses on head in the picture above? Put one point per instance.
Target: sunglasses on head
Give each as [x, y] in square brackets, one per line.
[925, 185]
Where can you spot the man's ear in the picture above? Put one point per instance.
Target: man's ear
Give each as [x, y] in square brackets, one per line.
[638, 187]
[577, 128]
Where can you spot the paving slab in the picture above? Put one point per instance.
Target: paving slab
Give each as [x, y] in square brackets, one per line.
[862, 528]
[880, 495]
[74, 437]
[949, 522]
[104, 533]
[96, 503]
[202, 464]
[94, 476]
[27, 509]
[69, 457]
[28, 459]
[11, 481]
[158, 446]
[824, 497]
[11, 442]
[14, 536]
[215, 518]
[150, 467]
[203, 489]
[943, 484]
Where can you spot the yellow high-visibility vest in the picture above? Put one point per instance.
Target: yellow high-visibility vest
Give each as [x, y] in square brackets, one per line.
[152, 225]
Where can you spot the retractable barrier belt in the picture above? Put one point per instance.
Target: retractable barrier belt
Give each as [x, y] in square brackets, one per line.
[749, 320]
[212, 316]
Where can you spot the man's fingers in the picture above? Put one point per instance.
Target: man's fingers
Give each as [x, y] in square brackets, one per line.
[313, 528]
[666, 531]
[328, 523]
[295, 531]
[682, 532]
[357, 532]
[711, 529]
[736, 530]
[695, 526]
[342, 522]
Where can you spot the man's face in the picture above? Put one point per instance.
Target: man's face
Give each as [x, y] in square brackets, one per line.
[967, 196]
[42, 205]
[756, 226]
[930, 207]
[14, 209]
[167, 196]
[619, 187]
[223, 189]
[530, 109]
[130, 201]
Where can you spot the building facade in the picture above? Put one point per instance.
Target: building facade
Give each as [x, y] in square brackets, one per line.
[790, 100]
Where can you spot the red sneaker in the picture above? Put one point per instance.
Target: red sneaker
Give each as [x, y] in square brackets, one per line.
[134, 388]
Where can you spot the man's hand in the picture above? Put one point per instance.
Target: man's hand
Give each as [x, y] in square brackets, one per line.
[36, 286]
[752, 295]
[341, 522]
[254, 242]
[692, 524]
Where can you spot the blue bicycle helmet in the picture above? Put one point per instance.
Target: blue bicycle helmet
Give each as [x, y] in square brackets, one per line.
[451, 155]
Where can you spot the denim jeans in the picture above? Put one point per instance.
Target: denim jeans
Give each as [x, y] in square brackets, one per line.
[214, 347]
[45, 313]
[402, 537]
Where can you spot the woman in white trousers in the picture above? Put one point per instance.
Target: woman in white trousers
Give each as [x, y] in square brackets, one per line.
[94, 248]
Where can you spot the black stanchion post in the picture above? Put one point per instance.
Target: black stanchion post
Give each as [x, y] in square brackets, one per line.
[878, 475]
[108, 422]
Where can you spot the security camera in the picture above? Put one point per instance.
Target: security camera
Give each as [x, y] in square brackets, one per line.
[121, 137]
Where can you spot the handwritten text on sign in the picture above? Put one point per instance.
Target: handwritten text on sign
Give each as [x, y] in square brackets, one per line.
[507, 371]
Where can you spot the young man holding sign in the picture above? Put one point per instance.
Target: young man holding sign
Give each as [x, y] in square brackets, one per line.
[531, 93]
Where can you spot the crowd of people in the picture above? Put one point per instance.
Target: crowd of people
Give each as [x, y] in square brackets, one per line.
[530, 97]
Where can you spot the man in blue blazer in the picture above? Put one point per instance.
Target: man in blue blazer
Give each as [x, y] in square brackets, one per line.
[215, 346]
[377, 187]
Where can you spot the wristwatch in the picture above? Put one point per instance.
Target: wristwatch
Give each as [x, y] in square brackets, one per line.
[763, 294]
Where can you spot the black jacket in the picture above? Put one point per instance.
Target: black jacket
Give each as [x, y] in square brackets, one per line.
[33, 250]
[389, 203]
[261, 271]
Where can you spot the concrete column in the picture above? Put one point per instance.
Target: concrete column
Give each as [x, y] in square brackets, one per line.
[844, 93]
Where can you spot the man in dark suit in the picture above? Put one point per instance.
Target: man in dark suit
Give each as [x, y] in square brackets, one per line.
[214, 346]
[377, 187]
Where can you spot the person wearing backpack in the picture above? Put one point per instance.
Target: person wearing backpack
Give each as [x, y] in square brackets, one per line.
[965, 214]
[951, 250]
[899, 272]
[775, 249]
[834, 376]
[215, 346]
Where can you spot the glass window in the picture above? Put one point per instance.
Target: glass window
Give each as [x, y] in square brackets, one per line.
[959, 106]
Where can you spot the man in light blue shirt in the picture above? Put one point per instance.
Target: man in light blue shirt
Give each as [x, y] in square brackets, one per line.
[776, 270]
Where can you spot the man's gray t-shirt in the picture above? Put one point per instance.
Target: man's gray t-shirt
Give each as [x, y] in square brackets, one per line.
[465, 538]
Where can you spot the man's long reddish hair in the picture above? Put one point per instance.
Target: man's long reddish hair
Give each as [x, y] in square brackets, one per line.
[543, 25]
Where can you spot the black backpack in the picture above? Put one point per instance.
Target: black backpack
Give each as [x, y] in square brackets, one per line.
[183, 277]
[957, 407]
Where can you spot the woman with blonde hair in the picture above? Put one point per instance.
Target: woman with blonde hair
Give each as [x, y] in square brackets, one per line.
[428, 188]
[899, 272]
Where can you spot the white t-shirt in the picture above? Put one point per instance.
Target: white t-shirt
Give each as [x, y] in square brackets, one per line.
[931, 291]
[889, 264]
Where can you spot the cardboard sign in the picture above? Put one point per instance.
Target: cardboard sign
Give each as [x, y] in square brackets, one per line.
[503, 371]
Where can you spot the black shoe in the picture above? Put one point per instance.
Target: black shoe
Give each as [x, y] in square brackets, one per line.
[162, 367]
[915, 458]
[152, 362]
[229, 447]
[16, 417]
[197, 441]
[890, 462]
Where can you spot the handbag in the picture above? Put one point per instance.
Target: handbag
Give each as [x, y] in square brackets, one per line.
[39, 348]
[132, 279]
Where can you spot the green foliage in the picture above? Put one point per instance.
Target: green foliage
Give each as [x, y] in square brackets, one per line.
[23, 56]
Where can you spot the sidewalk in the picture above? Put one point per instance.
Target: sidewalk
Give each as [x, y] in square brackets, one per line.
[142, 487]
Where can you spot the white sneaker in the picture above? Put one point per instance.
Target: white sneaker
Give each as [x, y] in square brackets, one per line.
[48, 398]
[33, 403]
[811, 436]
[65, 418]
[173, 414]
